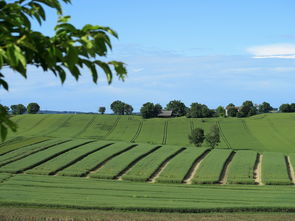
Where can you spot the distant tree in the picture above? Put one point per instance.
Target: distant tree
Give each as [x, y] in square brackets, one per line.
[18, 109]
[285, 108]
[220, 111]
[264, 107]
[128, 109]
[213, 136]
[232, 111]
[292, 107]
[157, 109]
[118, 107]
[101, 110]
[197, 137]
[200, 110]
[7, 108]
[147, 110]
[247, 109]
[230, 105]
[33, 108]
[178, 108]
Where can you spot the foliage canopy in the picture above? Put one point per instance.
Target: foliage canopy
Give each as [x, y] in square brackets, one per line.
[69, 50]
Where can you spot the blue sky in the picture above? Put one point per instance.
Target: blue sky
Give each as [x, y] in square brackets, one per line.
[213, 52]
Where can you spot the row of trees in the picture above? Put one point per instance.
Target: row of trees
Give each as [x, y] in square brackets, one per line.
[197, 110]
[286, 108]
[32, 108]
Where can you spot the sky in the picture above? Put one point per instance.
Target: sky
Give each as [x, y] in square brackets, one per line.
[212, 52]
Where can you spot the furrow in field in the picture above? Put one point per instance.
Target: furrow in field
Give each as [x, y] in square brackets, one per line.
[113, 127]
[274, 169]
[163, 165]
[36, 124]
[61, 125]
[224, 173]
[165, 132]
[241, 170]
[223, 136]
[137, 132]
[211, 167]
[23, 144]
[290, 169]
[97, 167]
[67, 159]
[257, 170]
[91, 121]
[27, 151]
[142, 170]
[119, 165]
[40, 157]
[192, 171]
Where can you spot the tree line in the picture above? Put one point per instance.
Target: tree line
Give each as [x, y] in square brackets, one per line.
[197, 110]
[15, 109]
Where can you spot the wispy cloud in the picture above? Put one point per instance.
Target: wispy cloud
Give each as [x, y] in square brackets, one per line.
[286, 51]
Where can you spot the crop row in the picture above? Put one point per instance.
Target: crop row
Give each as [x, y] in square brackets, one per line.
[147, 162]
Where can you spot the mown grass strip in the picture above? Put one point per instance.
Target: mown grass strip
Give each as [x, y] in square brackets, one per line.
[28, 150]
[142, 170]
[194, 168]
[9, 147]
[38, 158]
[178, 167]
[71, 192]
[241, 170]
[95, 160]
[118, 166]
[274, 169]
[224, 172]
[163, 165]
[96, 168]
[67, 159]
[211, 167]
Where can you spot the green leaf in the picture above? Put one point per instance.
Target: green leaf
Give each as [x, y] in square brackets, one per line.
[3, 132]
[105, 67]
[3, 84]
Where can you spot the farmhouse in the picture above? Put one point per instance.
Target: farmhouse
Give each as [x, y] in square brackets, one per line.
[165, 113]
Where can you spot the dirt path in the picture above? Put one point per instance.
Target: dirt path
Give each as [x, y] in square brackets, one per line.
[290, 169]
[224, 173]
[191, 173]
[163, 165]
[257, 170]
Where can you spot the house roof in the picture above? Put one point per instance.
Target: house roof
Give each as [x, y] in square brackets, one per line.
[165, 113]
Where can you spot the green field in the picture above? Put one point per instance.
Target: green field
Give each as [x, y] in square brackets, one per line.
[77, 158]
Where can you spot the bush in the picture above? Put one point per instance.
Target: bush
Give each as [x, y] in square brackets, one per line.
[197, 137]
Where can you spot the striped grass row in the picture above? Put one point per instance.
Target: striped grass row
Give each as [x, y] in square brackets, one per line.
[28, 150]
[211, 167]
[241, 169]
[178, 167]
[274, 169]
[145, 168]
[40, 157]
[58, 163]
[95, 160]
[111, 169]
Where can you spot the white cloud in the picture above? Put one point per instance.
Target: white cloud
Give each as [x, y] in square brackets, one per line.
[286, 51]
